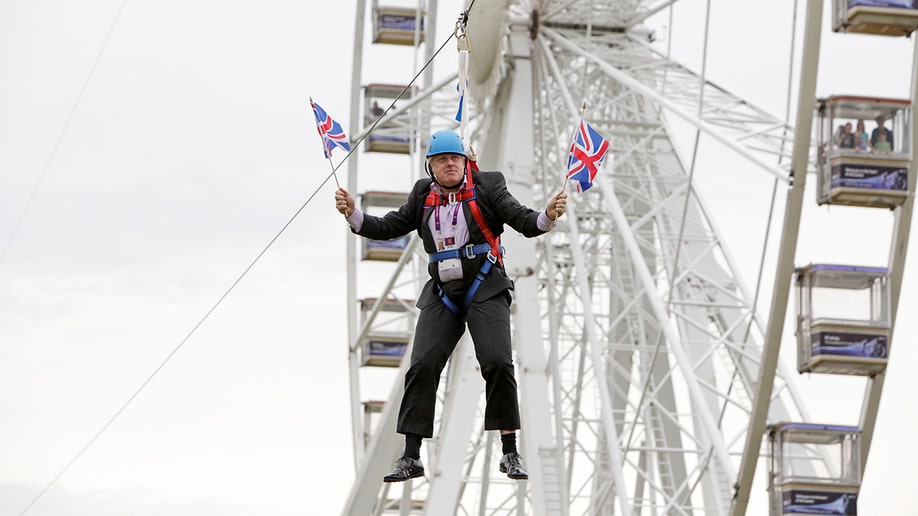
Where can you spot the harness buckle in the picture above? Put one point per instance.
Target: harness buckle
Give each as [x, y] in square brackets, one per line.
[491, 257]
[453, 199]
[469, 251]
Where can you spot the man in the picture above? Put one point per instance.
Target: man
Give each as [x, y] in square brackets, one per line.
[459, 215]
[878, 130]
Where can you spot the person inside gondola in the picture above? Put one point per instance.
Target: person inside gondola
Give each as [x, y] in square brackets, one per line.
[881, 129]
[882, 145]
[376, 110]
[861, 138]
[846, 139]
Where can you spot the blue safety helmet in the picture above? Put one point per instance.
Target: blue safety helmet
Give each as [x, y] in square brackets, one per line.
[445, 142]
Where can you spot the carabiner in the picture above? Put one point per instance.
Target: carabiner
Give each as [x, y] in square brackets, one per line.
[461, 33]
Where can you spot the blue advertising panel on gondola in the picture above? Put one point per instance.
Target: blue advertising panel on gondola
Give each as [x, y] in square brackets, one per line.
[895, 4]
[800, 501]
[398, 243]
[405, 22]
[869, 176]
[849, 344]
[382, 348]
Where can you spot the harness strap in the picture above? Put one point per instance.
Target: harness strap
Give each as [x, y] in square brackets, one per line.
[479, 218]
[434, 199]
[462, 311]
[482, 273]
[457, 311]
[469, 251]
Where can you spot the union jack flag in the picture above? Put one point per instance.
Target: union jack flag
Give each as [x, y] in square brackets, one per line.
[331, 132]
[587, 153]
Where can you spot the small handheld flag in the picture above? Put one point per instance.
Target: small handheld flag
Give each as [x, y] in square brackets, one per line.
[587, 152]
[331, 132]
[332, 135]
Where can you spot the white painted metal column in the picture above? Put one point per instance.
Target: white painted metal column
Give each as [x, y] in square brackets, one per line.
[351, 250]
[897, 255]
[540, 450]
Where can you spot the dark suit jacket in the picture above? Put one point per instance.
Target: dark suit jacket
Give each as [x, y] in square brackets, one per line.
[498, 207]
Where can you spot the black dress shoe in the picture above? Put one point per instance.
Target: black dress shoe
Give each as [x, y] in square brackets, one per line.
[512, 465]
[405, 468]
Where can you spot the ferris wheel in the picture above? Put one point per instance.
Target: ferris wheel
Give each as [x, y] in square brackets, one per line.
[647, 375]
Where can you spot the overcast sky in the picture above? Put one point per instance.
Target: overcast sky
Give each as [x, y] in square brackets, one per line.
[190, 147]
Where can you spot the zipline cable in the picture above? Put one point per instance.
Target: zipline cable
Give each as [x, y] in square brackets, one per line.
[200, 322]
[60, 136]
[176, 349]
[180, 344]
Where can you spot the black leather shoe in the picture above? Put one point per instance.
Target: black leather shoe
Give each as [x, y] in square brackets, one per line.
[512, 465]
[405, 468]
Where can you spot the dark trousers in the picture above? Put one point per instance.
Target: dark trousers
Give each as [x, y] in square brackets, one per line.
[436, 335]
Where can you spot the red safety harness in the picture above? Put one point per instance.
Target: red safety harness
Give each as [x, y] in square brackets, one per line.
[467, 195]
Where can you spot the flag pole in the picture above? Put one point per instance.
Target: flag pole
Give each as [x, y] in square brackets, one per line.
[325, 149]
[332, 165]
[573, 139]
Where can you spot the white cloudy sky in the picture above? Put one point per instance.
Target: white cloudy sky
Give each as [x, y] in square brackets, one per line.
[189, 149]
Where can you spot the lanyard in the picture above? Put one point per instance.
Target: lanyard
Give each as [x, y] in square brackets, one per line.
[437, 217]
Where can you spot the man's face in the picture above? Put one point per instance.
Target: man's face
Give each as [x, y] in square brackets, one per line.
[448, 169]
